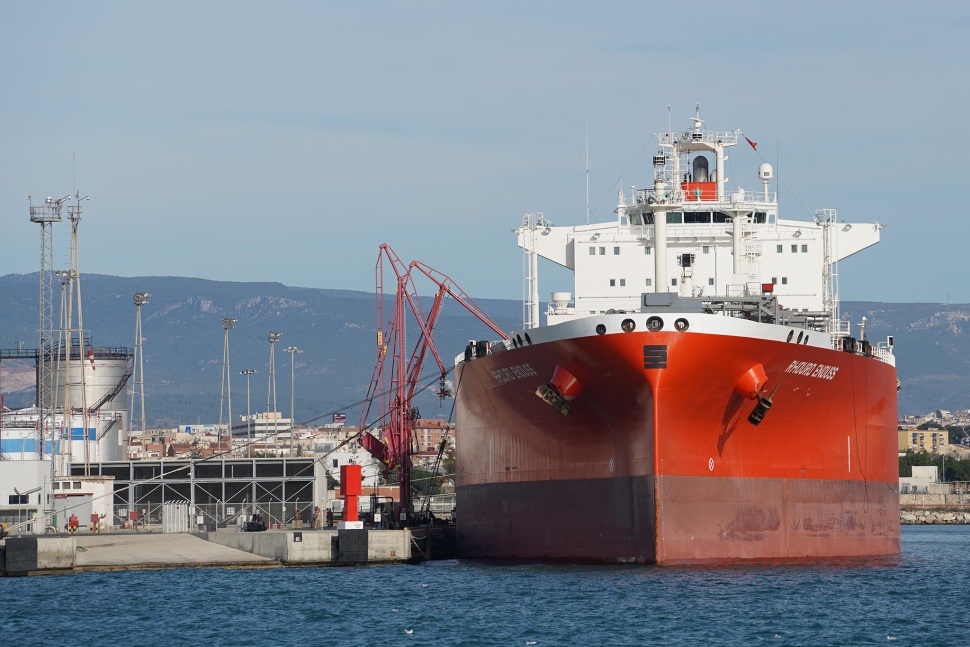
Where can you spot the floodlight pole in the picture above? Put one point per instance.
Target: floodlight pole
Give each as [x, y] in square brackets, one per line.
[138, 384]
[227, 324]
[274, 336]
[292, 350]
[249, 418]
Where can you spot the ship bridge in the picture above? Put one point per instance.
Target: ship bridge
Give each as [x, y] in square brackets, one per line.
[686, 233]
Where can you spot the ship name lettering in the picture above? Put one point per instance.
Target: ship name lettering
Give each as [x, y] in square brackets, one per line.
[811, 369]
[511, 373]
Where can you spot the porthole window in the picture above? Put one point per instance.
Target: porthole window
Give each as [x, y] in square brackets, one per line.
[655, 324]
[600, 329]
[791, 333]
[628, 325]
[806, 340]
[681, 324]
[799, 338]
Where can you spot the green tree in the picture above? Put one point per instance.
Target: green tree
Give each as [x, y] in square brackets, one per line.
[952, 468]
[448, 462]
[425, 482]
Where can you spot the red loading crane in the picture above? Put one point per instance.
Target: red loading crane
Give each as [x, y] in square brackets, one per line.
[395, 381]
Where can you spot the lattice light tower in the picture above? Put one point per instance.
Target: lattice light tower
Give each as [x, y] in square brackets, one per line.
[138, 383]
[274, 336]
[227, 324]
[46, 215]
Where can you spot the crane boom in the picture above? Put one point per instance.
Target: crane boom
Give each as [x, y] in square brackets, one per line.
[394, 382]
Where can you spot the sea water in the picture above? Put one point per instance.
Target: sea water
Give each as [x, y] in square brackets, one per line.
[914, 599]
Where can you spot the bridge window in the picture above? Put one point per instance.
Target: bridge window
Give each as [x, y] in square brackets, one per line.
[675, 218]
[697, 217]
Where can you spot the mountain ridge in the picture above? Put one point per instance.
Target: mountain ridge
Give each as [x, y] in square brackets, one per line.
[183, 342]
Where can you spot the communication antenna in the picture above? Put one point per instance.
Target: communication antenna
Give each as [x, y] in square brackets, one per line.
[587, 171]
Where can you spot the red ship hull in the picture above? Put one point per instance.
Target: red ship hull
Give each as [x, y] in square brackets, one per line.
[658, 462]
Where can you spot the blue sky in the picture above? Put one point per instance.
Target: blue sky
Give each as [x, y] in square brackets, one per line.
[286, 141]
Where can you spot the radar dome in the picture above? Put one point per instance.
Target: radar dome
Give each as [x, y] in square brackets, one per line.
[765, 171]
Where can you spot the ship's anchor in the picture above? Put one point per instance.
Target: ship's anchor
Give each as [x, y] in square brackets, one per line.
[560, 390]
[751, 385]
[551, 396]
[761, 409]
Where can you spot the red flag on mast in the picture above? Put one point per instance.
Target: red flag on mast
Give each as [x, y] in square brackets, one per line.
[754, 145]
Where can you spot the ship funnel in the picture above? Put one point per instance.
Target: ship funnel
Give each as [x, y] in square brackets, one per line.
[701, 169]
[560, 301]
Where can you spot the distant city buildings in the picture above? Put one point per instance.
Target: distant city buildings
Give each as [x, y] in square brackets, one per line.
[918, 440]
[334, 444]
[940, 431]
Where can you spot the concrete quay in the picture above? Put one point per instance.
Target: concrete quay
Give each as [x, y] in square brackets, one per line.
[57, 554]
[321, 547]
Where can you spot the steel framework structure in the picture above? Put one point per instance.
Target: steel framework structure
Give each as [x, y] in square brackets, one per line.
[395, 381]
[46, 215]
[221, 490]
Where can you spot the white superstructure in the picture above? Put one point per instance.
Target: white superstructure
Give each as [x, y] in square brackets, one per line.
[688, 234]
